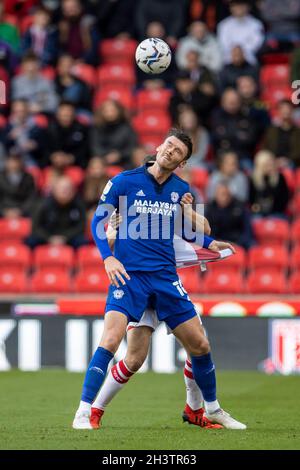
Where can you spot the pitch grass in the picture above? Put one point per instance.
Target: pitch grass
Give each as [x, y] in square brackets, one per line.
[37, 410]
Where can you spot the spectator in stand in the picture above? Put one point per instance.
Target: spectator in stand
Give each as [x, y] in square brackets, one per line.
[233, 129]
[94, 182]
[69, 136]
[283, 138]
[41, 37]
[60, 218]
[153, 81]
[172, 14]
[269, 193]
[69, 87]
[138, 156]
[78, 35]
[60, 164]
[295, 66]
[240, 29]
[229, 218]
[282, 20]
[115, 17]
[238, 67]
[33, 87]
[17, 188]
[251, 104]
[112, 137]
[24, 135]
[9, 33]
[201, 40]
[202, 76]
[187, 94]
[228, 172]
[188, 121]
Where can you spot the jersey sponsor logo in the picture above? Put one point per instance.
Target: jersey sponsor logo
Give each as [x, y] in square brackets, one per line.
[174, 196]
[140, 193]
[106, 190]
[157, 207]
[118, 294]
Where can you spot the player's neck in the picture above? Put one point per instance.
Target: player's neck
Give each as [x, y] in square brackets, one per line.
[158, 173]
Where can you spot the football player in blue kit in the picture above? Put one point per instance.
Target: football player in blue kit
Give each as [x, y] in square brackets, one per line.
[143, 271]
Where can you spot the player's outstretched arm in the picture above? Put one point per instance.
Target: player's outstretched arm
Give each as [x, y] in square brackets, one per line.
[199, 222]
[216, 245]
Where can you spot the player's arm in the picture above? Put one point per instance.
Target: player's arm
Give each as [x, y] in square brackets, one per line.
[108, 203]
[198, 221]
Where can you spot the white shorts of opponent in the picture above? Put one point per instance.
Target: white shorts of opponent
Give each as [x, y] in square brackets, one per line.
[150, 319]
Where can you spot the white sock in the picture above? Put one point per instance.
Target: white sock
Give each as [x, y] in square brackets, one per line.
[194, 397]
[116, 379]
[84, 406]
[211, 406]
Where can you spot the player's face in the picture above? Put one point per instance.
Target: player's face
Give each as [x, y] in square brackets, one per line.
[171, 154]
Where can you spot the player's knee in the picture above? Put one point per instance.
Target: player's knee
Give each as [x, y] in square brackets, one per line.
[201, 347]
[134, 363]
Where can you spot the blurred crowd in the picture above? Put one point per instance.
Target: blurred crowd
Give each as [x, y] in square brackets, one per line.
[60, 144]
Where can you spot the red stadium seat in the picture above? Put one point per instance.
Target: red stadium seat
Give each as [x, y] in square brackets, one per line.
[190, 278]
[13, 280]
[223, 283]
[121, 75]
[25, 23]
[152, 123]
[117, 51]
[199, 178]
[88, 257]
[15, 229]
[274, 76]
[295, 230]
[294, 283]
[50, 280]
[235, 263]
[266, 281]
[271, 230]
[150, 142]
[149, 100]
[275, 257]
[120, 94]
[14, 255]
[295, 258]
[92, 280]
[48, 72]
[86, 73]
[60, 256]
[112, 170]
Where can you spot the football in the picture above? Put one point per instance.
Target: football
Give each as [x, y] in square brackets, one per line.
[153, 55]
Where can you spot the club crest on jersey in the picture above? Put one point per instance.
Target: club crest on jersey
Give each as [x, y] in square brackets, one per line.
[174, 197]
[118, 294]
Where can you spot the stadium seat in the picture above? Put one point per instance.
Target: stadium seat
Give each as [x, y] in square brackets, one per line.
[190, 278]
[111, 75]
[150, 142]
[266, 281]
[15, 229]
[92, 280]
[295, 231]
[113, 170]
[50, 280]
[199, 178]
[294, 283]
[271, 230]
[13, 280]
[14, 255]
[120, 94]
[149, 100]
[295, 258]
[86, 73]
[88, 257]
[48, 72]
[235, 263]
[274, 76]
[60, 256]
[223, 283]
[152, 123]
[117, 51]
[275, 257]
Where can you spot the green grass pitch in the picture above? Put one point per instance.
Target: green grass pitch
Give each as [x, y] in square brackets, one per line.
[37, 410]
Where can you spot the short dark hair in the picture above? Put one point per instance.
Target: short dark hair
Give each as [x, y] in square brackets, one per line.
[185, 138]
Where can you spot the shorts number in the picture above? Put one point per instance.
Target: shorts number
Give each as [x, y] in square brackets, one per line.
[179, 287]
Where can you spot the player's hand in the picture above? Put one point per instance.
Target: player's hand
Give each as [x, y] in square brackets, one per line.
[187, 198]
[115, 271]
[218, 246]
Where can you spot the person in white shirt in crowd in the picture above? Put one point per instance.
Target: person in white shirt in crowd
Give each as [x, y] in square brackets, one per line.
[205, 43]
[228, 171]
[240, 29]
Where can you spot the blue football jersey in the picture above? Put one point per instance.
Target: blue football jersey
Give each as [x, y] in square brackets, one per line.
[150, 212]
